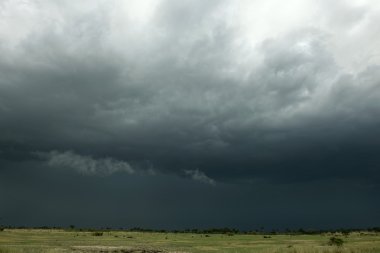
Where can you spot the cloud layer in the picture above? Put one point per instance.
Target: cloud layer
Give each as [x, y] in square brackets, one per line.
[242, 91]
[271, 102]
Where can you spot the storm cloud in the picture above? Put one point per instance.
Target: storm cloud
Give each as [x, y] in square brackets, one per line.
[221, 92]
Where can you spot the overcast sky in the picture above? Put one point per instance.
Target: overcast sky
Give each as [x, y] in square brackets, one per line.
[192, 113]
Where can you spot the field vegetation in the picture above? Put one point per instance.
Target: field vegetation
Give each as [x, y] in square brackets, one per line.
[85, 241]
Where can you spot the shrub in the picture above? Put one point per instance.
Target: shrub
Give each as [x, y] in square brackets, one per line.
[334, 241]
[97, 233]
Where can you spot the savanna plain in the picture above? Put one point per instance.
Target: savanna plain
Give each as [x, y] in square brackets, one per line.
[57, 240]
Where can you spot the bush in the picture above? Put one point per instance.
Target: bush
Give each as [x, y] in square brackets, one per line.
[97, 234]
[334, 241]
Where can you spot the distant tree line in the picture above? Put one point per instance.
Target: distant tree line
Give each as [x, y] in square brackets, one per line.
[193, 231]
[226, 230]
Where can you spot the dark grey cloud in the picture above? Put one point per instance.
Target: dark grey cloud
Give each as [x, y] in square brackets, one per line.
[192, 90]
[46, 197]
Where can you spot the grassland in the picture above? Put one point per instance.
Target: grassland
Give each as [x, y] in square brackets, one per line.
[63, 241]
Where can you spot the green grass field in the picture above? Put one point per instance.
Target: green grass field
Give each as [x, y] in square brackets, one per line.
[35, 240]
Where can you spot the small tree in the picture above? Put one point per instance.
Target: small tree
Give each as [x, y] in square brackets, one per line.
[334, 241]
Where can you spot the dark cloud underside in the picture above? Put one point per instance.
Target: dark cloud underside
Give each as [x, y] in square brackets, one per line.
[193, 101]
